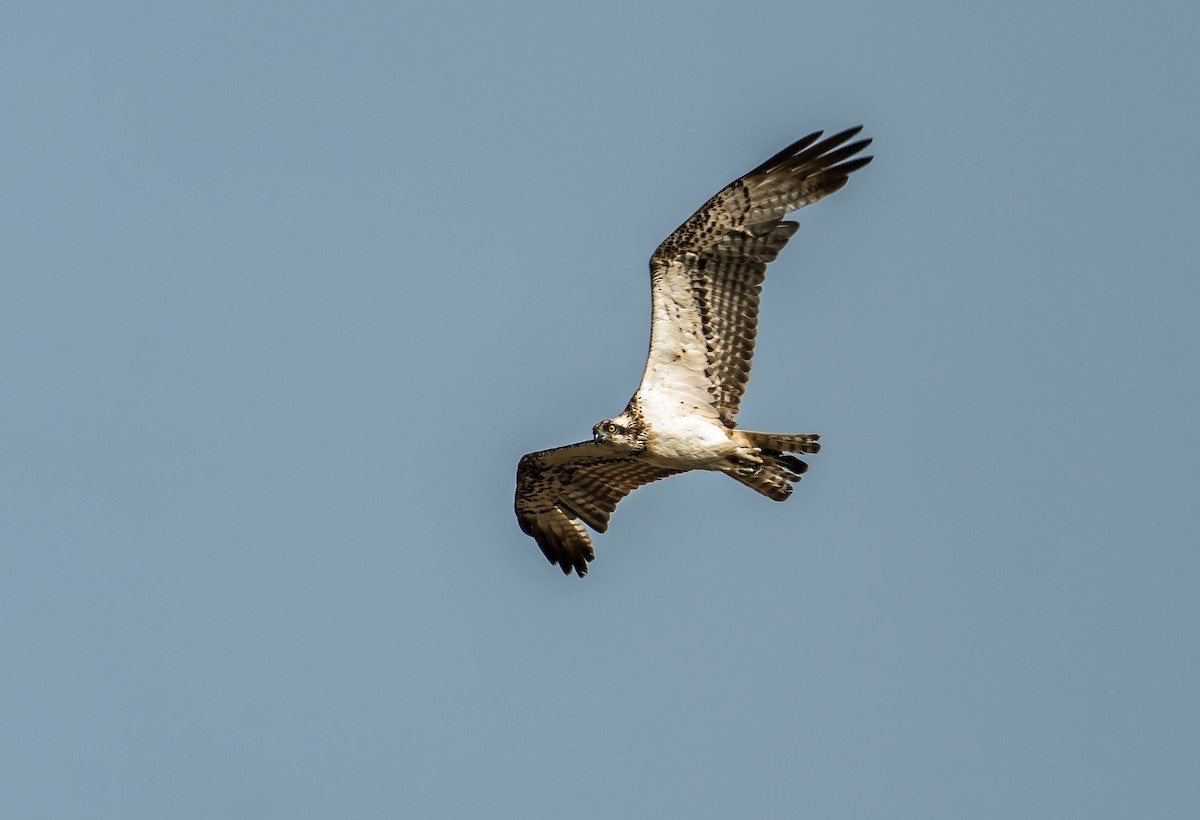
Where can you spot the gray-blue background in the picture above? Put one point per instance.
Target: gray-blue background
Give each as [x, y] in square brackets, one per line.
[289, 288]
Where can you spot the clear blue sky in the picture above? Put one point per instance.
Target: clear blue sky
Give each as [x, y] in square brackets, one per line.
[288, 288]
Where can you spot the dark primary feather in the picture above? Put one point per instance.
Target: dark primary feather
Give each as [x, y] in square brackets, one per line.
[560, 489]
[720, 254]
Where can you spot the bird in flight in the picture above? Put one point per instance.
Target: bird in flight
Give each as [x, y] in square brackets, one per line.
[705, 280]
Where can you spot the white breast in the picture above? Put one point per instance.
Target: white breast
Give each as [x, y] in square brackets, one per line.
[684, 431]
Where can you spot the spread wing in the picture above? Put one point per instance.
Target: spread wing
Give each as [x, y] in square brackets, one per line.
[706, 276]
[560, 490]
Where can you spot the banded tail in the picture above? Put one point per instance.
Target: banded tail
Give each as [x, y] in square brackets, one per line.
[779, 471]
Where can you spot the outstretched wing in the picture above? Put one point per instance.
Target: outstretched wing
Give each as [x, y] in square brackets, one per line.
[560, 490]
[706, 276]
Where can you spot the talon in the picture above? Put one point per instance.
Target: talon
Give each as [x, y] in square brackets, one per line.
[749, 461]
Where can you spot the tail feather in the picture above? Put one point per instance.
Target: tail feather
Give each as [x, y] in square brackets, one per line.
[779, 471]
[784, 442]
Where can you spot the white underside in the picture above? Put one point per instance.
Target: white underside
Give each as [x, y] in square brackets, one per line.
[685, 436]
[675, 397]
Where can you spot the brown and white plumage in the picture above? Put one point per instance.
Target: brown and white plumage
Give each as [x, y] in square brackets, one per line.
[558, 490]
[706, 278]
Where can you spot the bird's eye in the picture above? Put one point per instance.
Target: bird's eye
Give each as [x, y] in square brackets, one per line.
[612, 428]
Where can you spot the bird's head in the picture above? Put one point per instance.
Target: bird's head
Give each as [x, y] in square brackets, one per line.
[620, 431]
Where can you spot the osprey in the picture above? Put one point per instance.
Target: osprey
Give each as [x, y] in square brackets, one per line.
[705, 280]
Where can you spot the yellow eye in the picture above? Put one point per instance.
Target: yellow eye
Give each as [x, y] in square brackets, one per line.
[612, 428]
